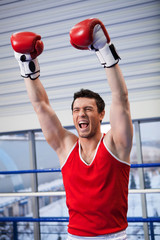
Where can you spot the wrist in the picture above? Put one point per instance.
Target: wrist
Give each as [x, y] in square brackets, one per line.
[108, 55]
[29, 67]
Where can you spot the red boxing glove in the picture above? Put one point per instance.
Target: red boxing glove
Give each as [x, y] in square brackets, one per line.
[91, 34]
[27, 47]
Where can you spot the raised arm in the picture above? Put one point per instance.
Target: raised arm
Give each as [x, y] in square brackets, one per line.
[27, 47]
[91, 34]
[50, 124]
[119, 138]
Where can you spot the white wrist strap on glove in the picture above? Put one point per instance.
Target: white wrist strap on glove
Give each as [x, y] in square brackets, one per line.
[29, 67]
[107, 55]
[105, 52]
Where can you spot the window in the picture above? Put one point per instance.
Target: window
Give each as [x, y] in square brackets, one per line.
[14, 155]
[150, 137]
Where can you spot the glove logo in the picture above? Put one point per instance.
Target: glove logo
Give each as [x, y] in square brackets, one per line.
[32, 66]
[23, 58]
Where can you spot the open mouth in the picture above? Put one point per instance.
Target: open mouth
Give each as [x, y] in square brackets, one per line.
[83, 124]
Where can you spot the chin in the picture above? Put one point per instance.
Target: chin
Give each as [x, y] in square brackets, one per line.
[86, 135]
[83, 136]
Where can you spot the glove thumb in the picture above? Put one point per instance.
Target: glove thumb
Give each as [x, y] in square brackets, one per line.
[38, 49]
[99, 39]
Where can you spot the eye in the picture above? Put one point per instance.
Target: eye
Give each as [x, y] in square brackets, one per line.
[88, 109]
[75, 110]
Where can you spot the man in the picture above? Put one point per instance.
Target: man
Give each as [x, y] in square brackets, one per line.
[95, 167]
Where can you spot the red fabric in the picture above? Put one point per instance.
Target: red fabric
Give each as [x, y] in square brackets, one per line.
[96, 194]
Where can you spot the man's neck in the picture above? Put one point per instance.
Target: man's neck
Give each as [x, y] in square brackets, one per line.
[88, 147]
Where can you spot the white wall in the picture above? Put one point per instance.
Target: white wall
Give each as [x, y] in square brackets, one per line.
[134, 29]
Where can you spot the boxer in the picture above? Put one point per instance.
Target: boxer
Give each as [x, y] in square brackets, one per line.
[95, 166]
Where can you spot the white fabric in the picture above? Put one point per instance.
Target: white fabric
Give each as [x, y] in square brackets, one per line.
[114, 236]
[106, 57]
[101, 47]
[24, 66]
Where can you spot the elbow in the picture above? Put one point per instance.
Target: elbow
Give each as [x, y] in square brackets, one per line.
[124, 101]
[39, 107]
[124, 97]
[120, 97]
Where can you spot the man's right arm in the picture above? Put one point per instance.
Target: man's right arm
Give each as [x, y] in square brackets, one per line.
[49, 122]
[58, 138]
[27, 47]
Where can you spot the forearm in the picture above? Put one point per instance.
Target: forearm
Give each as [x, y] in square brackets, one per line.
[36, 92]
[27, 47]
[117, 83]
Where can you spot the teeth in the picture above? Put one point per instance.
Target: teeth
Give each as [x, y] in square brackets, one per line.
[83, 122]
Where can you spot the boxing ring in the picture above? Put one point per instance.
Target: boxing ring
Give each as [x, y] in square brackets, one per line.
[15, 220]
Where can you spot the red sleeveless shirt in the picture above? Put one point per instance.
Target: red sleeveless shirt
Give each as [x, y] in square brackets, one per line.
[96, 194]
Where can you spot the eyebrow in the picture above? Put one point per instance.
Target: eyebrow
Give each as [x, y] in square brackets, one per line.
[77, 108]
[89, 107]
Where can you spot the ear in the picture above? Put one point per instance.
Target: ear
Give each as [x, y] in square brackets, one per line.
[102, 114]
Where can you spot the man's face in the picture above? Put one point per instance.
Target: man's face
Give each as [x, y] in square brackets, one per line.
[86, 117]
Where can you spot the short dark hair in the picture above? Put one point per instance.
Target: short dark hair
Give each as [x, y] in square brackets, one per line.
[86, 93]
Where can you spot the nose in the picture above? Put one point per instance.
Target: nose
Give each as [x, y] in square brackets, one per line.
[82, 112]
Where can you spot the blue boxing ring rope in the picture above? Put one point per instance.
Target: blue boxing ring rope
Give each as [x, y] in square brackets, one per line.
[46, 170]
[62, 193]
[66, 219]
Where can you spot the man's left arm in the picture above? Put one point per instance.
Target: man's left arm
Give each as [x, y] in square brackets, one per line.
[119, 138]
[91, 34]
